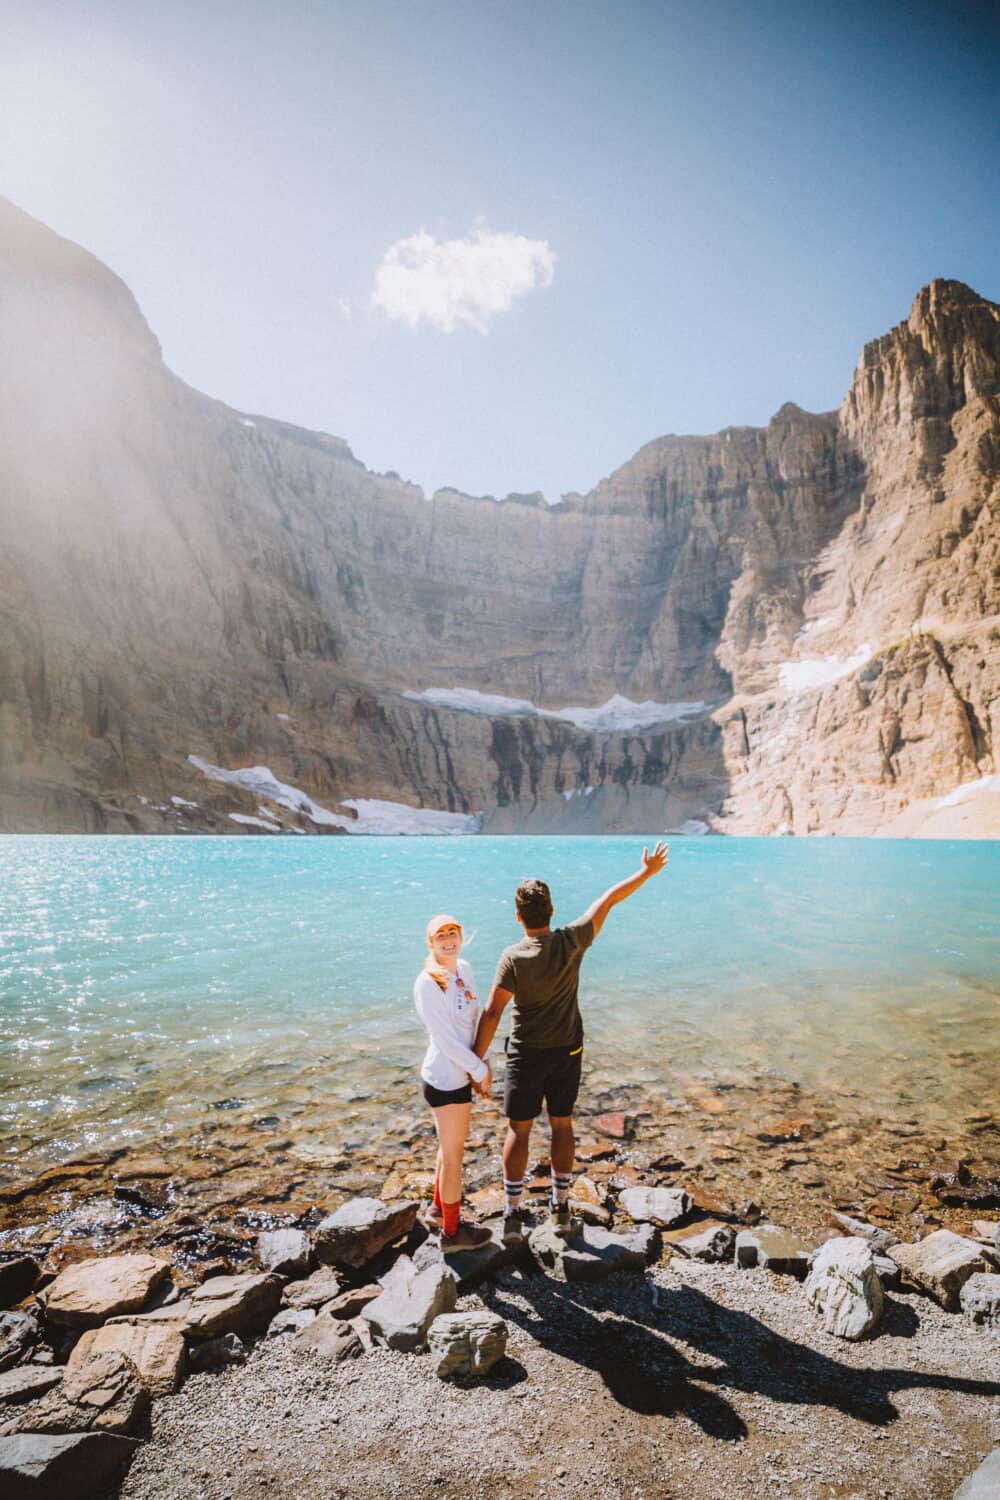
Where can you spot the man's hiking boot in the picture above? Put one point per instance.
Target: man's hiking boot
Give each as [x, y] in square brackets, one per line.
[514, 1225]
[468, 1236]
[561, 1220]
[433, 1218]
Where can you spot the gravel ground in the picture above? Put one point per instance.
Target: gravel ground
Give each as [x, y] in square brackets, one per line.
[694, 1383]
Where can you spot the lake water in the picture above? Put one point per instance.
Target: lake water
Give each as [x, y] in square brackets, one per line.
[145, 983]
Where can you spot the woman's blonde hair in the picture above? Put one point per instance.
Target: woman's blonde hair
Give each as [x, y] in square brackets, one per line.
[439, 974]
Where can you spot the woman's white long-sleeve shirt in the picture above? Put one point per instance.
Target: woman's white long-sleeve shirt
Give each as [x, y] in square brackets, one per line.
[452, 1019]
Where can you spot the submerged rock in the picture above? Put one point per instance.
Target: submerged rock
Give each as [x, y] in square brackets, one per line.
[466, 1343]
[844, 1286]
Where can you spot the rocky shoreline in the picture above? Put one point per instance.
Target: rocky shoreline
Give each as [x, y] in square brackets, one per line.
[239, 1251]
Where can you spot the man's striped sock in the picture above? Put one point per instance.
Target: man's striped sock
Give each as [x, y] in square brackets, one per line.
[561, 1183]
[512, 1196]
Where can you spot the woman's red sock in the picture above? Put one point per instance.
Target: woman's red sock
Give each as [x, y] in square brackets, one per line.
[450, 1212]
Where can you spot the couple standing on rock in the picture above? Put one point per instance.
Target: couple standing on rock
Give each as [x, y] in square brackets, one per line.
[544, 1052]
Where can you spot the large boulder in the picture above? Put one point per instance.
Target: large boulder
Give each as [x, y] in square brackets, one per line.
[17, 1279]
[844, 1286]
[331, 1338]
[284, 1251]
[36, 1466]
[103, 1393]
[352, 1303]
[360, 1228]
[156, 1349]
[774, 1248]
[88, 1293]
[980, 1299]
[18, 1331]
[467, 1266]
[412, 1299]
[664, 1207]
[466, 1343]
[941, 1264]
[592, 1253]
[233, 1304]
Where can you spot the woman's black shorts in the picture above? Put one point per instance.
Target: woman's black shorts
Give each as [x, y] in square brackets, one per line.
[541, 1074]
[436, 1097]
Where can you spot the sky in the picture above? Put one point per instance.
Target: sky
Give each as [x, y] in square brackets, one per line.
[500, 246]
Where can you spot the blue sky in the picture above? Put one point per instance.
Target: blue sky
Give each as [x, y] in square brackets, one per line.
[610, 221]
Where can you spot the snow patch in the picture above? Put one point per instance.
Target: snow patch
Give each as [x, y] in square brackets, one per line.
[246, 422]
[283, 717]
[264, 823]
[823, 623]
[970, 789]
[616, 715]
[180, 802]
[693, 827]
[373, 816]
[803, 676]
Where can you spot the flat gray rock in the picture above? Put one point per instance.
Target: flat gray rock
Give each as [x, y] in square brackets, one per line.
[466, 1343]
[17, 1279]
[844, 1287]
[980, 1299]
[330, 1337]
[351, 1304]
[941, 1264]
[316, 1290]
[103, 1393]
[467, 1266]
[412, 1299]
[26, 1382]
[233, 1304]
[773, 1248]
[664, 1207]
[18, 1331]
[360, 1228]
[42, 1466]
[285, 1251]
[984, 1484]
[593, 1253]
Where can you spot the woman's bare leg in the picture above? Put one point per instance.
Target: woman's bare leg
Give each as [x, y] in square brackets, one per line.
[451, 1121]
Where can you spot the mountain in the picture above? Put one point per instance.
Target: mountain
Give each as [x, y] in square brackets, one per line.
[806, 614]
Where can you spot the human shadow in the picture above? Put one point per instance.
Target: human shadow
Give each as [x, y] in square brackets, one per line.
[646, 1372]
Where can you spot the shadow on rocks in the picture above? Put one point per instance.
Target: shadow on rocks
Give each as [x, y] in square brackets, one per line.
[644, 1371]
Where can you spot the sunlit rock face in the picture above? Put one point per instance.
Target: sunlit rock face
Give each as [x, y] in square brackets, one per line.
[786, 629]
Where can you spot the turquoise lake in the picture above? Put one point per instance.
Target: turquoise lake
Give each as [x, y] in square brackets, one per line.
[145, 982]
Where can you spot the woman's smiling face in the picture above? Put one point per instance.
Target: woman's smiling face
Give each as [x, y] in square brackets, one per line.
[446, 944]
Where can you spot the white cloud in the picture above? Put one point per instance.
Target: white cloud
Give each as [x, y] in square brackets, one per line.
[448, 283]
[345, 309]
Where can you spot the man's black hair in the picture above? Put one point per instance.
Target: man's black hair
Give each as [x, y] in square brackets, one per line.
[534, 903]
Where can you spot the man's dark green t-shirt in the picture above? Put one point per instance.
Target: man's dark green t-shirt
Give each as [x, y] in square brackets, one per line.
[542, 973]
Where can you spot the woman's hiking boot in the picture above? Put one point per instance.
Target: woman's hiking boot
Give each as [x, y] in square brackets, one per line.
[433, 1218]
[468, 1236]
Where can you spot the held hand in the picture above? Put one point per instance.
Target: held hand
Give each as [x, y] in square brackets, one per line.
[485, 1085]
[653, 863]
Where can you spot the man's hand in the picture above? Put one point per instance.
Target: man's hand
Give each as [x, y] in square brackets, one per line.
[485, 1085]
[655, 862]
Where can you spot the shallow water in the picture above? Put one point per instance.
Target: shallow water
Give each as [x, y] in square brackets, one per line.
[146, 984]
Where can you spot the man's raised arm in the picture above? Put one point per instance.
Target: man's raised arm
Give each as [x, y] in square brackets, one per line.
[652, 864]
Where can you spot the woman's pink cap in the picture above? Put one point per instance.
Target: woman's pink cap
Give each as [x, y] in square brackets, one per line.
[443, 920]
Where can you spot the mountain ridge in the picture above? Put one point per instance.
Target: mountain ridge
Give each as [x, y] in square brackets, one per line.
[176, 575]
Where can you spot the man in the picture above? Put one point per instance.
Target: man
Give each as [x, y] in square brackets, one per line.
[545, 1051]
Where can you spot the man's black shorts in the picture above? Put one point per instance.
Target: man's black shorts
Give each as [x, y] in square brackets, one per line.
[541, 1074]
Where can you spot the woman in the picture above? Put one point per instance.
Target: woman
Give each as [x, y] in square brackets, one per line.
[446, 1003]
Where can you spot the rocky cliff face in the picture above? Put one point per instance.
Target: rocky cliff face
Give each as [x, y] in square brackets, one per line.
[178, 578]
